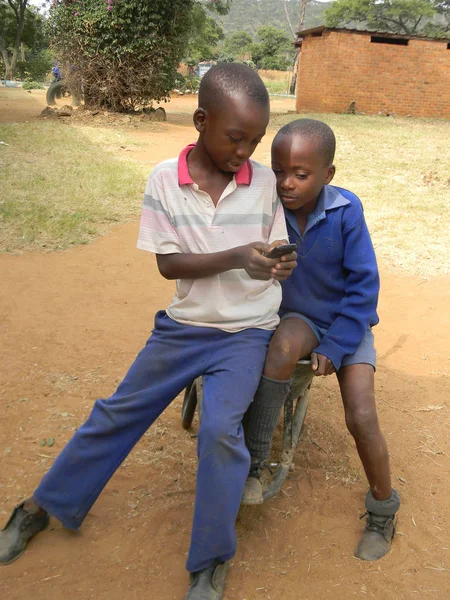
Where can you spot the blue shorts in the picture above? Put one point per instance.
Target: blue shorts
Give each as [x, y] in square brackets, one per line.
[365, 354]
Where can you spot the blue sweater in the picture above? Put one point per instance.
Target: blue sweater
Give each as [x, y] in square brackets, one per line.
[336, 282]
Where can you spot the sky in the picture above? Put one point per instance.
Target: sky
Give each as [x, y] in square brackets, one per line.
[36, 2]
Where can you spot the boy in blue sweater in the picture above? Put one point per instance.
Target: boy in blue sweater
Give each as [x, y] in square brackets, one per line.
[328, 310]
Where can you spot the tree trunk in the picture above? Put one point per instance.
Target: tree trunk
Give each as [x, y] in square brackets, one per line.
[294, 72]
[15, 53]
[19, 11]
[288, 19]
[303, 4]
[4, 51]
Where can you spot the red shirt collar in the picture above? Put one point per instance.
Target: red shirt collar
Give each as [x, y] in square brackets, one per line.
[243, 176]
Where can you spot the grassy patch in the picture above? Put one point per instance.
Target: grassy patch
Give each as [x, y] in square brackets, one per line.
[276, 82]
[276, 87]
[399, 168]
[63, 185]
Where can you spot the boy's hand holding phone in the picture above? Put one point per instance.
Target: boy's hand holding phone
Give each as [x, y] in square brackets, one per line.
[286, 256]
[258, 263]
[281, 249]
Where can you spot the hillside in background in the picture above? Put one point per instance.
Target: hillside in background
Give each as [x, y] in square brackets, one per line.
[249, 15]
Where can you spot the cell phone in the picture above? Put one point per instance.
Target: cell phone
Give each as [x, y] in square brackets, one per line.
[279, 251]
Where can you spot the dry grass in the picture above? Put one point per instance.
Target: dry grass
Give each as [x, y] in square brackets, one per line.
[62, 185]
[277, 82]
[275, 75]
[399, 167]
[78, 179]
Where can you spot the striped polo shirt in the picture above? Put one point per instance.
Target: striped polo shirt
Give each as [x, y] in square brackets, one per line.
[178, 217]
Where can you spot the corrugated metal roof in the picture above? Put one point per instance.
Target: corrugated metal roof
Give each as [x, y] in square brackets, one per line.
[322, 28]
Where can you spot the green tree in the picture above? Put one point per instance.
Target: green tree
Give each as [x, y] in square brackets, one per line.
[13, 14]
[124, 53]
[33, 58]
[205, 36]
[274, 50]
[440, 27]
[250, 15]
[398, 16]
[238, 44]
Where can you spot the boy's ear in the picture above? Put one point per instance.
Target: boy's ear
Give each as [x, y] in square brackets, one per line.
[199, 119]
[330, 174]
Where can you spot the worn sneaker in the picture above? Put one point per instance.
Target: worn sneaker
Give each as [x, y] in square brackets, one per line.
[377, 537]
[209, 583]
[19, 530]
[381, 520]
[253, 491]
[257, 482]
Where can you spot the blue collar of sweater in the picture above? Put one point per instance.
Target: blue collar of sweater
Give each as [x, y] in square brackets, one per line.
[329, 198]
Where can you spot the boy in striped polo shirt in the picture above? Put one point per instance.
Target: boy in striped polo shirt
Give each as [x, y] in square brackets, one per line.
[200, 215]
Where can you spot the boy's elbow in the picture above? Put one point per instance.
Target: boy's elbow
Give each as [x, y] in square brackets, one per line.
[165, 266]
[166, 275]
[166, 272]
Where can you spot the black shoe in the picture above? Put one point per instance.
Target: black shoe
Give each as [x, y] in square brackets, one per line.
[208, 584]
[19, 530]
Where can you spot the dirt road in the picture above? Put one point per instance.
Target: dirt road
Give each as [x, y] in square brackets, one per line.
[72, 323]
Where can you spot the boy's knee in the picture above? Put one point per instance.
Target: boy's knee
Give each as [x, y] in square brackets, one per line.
[103, 416]
[223, 441]
[220, 432]
[282, 357]
[362, 422]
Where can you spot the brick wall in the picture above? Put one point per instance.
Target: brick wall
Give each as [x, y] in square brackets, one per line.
[341, 67]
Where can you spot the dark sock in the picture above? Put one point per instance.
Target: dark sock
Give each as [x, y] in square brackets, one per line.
[263, 416]
[383, 508]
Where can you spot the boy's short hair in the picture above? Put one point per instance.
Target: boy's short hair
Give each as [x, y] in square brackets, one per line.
[313, 129]
[231, 79]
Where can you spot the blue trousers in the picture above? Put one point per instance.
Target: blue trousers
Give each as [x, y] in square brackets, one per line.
[175, 354]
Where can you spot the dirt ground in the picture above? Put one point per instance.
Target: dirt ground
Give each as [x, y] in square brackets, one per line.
[72, 323]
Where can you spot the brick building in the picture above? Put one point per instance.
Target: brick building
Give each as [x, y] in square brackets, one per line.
[379, 72]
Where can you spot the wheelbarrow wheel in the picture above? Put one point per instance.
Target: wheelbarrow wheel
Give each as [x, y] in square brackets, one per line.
[56, 90]
[189, 406]
[295, 409]
[193, 397]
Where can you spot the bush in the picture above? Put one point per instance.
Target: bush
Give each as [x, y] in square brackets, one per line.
[226, 58]
[124, 53]
[36, 67]
[274, 51]
[32, 85]
[180, 82]
[192, 82]
[275, 63]
[40, 64]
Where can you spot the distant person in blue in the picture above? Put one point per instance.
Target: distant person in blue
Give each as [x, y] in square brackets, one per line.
[328, 309]
[56, 72]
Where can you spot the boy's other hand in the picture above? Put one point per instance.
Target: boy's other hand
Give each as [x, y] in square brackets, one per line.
[321, 365]
[285, 264]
